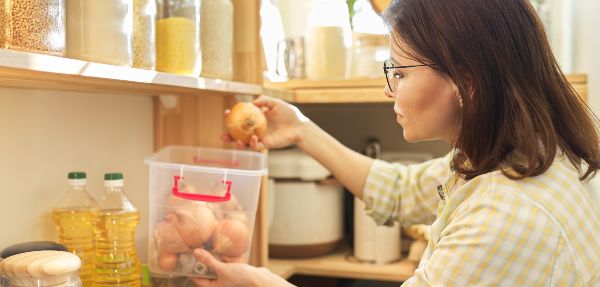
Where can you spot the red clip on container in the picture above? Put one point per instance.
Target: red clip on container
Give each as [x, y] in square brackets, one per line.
[201, 198]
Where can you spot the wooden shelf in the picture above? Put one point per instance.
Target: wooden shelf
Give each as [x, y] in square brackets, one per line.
[27, 70]
[360, 90]
[339, 265]
[338, 91]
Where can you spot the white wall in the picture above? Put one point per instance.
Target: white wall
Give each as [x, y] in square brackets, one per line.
[46, 134]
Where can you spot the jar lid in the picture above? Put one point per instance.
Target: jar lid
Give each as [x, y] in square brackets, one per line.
[37, 264]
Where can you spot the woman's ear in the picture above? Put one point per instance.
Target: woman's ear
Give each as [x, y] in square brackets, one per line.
[470, 85]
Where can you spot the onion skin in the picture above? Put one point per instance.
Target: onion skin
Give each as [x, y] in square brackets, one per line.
[230, 238]
[195, 224]
[245, 120]
[168, 240]
[167, 261]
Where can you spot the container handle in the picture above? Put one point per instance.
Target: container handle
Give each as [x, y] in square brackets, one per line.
[201, 197]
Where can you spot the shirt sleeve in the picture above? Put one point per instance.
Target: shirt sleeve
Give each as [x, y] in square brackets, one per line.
[499, 239]
[405, 193]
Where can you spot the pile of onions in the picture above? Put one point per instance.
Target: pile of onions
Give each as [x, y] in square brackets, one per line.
[218, 227]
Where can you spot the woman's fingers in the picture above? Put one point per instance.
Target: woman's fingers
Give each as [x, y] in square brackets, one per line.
[209, 261]
[255, 144]
[264, 101]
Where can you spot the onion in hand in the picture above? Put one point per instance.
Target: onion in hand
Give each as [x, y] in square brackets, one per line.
[245, 120]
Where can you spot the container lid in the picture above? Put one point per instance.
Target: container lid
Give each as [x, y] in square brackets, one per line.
[294, 164]
[38, 264]
[30, 246]
[76, 175]
[113, 176]
[210, 160]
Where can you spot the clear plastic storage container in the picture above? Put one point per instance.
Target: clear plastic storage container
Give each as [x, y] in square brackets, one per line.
[144, 34]
[100, 31]
[201, 198]
[178, 37]
[216, 29]
[47, 268]
[33, 26]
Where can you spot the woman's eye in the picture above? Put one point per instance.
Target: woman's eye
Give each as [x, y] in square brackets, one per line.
[397, 75]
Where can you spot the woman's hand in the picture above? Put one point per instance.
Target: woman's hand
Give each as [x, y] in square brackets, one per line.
[235, 274]
[284, 125]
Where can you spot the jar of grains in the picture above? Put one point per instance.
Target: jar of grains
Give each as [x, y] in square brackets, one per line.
[178, 37]
[144, 34]
[100, 31]
[33, 26]
[216, 36]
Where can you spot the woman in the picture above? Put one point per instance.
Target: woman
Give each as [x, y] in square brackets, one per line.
[508, 206]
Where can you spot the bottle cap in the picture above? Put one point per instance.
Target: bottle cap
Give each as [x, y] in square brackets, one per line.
[113, 179]
[113, 176]
[76, 175]
[76, 178]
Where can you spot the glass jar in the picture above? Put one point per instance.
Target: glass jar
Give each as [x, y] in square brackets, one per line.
[144, 34]
[36, 26]
[328, 39]
[178, 37]
[216, 30]
[368, 53]
[100, 31]
[30, 269]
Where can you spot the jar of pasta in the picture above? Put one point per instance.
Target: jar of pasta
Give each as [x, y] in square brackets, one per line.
[178, 37]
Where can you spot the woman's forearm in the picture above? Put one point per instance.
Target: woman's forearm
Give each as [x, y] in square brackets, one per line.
[349, 167]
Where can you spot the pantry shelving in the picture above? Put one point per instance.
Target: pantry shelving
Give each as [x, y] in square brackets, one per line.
[28, 70]
[362, 90]
[338, 264]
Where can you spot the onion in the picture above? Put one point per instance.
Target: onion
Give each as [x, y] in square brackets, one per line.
[245, 120]
[230, 238]
[167, 261]
[168, 239]
[195, 224]
[239, 259]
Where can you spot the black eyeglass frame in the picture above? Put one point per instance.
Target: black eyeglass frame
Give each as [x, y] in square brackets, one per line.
[386, 68]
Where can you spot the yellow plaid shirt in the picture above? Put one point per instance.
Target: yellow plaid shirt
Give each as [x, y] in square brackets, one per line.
[491, 230]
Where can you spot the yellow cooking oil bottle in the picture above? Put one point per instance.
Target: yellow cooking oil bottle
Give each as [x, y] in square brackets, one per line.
[116, 261]
[75, 219]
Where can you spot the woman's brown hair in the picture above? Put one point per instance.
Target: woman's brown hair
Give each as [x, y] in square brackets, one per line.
[518, 108]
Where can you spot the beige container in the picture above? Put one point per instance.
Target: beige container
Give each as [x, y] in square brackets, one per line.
[216, 36]
[326, 53]
[307, 217]
[36, 26]
[380, 244]
[41, 269]
[100, 31]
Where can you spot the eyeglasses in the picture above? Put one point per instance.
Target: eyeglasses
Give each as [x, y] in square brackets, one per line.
[391, 76]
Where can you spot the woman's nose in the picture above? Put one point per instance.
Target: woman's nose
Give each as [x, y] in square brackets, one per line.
[388, 93]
